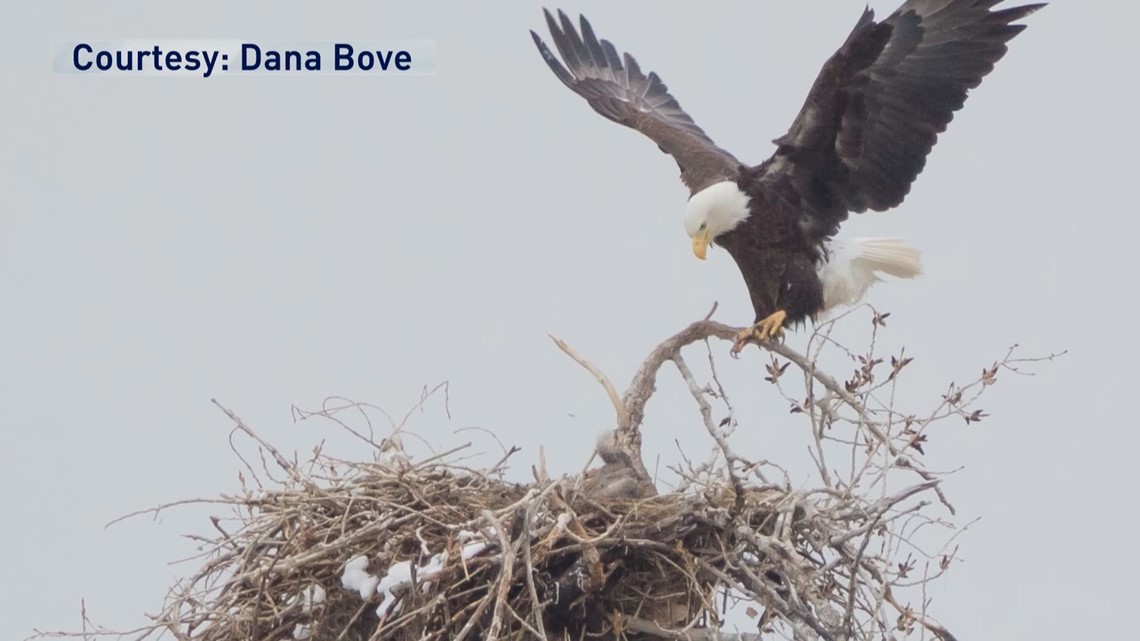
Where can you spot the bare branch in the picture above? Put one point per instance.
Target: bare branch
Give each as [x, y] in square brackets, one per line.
[644, 382]
[651, 628]
[623, 418]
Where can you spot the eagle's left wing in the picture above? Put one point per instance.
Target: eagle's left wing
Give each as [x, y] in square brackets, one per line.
[615, 87]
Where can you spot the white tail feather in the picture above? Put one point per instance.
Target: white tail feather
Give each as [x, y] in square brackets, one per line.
[854, 264]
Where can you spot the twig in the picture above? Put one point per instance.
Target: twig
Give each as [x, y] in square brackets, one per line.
[644, 626]
[623, 418]
[282, 462]
[730, 457]
[645, 380]
[506, 575]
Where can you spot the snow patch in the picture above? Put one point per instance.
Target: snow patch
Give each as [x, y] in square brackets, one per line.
[356, 578]
[313, 595]
[399, 575]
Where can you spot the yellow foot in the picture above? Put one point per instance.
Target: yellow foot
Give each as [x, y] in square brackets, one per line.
[766, 329]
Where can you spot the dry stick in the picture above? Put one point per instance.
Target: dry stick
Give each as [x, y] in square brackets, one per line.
[536, 603]
[441, 455]
[937, 628]
[730, 458]
[849, 612]
[785, 607]
[834, 387]
[536, 633]
[514, 449]
[282, 462]
[300, 414]
[475, 616]
[165, 506]
[644, 384]
[721, 393]
[629, 432]
[644, 626]
[645, 380]
[505, 577]
[622, 413]
[881, 507]
[425, 395]
[888, 596]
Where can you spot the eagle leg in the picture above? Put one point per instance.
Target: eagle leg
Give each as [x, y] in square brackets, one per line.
[769, 327]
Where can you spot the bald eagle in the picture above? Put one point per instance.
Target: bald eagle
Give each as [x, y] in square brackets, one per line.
[860, 140]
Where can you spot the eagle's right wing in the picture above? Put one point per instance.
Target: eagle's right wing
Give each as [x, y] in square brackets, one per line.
[882, 99]
[615, 87]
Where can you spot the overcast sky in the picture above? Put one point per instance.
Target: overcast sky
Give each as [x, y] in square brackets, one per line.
[270, 241]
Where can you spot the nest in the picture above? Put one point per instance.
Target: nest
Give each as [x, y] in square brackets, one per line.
[400, 549]
[428, 551]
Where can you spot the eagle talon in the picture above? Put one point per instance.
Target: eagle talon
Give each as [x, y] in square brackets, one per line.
[769, 328]
[772, 326]
[742, 339]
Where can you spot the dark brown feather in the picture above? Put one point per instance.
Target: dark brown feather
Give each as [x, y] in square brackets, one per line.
[616, 87]
[880, 102]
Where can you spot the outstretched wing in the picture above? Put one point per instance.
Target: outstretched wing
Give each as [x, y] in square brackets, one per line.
[615, 87]
[878, 105]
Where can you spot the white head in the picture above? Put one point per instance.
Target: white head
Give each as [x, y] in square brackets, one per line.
[712, 211]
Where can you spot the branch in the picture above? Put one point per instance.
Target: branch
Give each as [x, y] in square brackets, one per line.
[623, 417]
[282, 462]
[651, 628]
[645, 381]
[714, 431]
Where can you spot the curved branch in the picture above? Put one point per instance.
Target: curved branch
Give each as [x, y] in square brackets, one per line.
[622, 413]
[645, 381]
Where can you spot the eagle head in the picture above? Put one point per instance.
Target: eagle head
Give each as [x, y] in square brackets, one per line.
[713, 211]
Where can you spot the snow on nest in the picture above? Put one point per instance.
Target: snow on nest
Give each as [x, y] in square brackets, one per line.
[399, 575]
[311, 596]
[356, 578]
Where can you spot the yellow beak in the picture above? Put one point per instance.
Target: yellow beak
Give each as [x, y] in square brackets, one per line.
[701, 244]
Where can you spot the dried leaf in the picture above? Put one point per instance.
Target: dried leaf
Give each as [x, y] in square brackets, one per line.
[916, 440]
[775, 370]
[954, 396]
[897, 364]
[905, 568]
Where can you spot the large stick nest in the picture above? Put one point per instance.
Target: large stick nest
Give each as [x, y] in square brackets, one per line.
[401, 549]
[464, 555]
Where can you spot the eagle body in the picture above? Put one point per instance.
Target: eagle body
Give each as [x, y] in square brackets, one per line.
[860, 140]
[779, 252]
[789, 263]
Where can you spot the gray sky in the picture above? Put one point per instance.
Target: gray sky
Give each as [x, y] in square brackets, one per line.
[271, 241]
